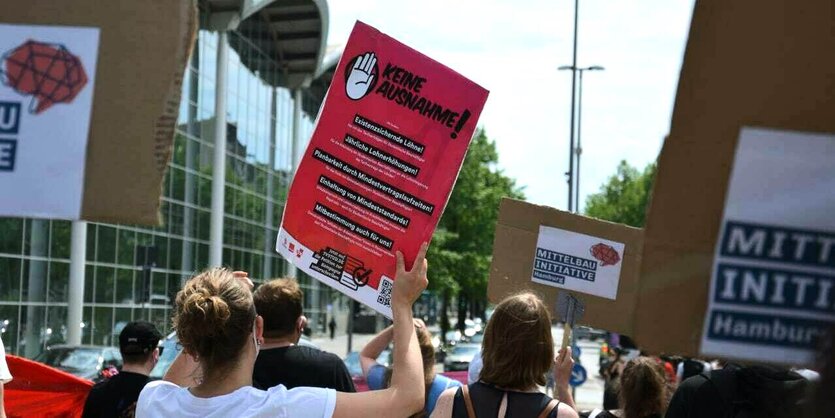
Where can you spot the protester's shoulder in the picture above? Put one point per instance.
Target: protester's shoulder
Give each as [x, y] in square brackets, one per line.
[317, 356]
[446, 381]
[157, 391]
[159, 387]
[303, 397]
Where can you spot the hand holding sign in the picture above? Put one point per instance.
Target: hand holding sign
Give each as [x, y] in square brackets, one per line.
[408, 285]
[361, 76]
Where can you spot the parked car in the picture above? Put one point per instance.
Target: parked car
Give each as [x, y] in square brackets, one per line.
[84, 361]
[453, 337]
[460, 356]
[588, 333]
[170, 348]
[476, 339]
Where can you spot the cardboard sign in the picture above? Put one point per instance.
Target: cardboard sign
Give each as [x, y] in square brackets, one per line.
[577, 262]
[772, 293]
[747, 63]
[48, 74]
[517, 246]
[126, 60]
[379, 167]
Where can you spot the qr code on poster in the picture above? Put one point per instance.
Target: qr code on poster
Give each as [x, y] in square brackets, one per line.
[384, 298]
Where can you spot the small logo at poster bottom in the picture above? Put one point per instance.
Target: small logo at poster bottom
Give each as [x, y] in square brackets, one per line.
[347, 270]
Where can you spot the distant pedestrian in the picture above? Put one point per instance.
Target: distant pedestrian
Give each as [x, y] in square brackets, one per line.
[332, 327]
[117, 396]
[5, 376]
[517, 352]
[281, 359]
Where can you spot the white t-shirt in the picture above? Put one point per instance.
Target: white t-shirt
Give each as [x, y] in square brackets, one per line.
[165, 399]
[5, 376]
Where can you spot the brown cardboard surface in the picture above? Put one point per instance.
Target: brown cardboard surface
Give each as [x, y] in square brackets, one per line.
[513, 254]
[748, 63]
[143, 50]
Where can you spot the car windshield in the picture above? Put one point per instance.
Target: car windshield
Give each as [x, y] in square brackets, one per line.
[465, 350]
[71, 358]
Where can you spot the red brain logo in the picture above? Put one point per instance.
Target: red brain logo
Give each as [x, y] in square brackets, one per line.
[49, 72]
[607, 255]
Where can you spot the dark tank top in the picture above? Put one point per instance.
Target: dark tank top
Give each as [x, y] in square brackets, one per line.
[487, 399]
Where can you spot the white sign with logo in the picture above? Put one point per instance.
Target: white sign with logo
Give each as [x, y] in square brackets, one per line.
[772, 292]
[577, 262]
[47, 75]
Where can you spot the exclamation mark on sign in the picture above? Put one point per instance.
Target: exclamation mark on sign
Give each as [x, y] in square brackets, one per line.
[461, 121]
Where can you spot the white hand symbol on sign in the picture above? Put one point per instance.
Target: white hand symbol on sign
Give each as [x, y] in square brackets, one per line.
[361, 77]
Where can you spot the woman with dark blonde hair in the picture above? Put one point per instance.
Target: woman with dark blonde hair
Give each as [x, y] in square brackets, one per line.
[379, 377]
[643, 390]
[517, 352]
[220, 332]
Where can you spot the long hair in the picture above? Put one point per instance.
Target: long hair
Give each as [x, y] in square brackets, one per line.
[518, 348]
[643, 388]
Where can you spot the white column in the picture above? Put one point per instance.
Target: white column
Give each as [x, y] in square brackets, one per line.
[75, 302]
[295, 144]
[37, 282]
[297, 129]
[269, 211]
[219, 162]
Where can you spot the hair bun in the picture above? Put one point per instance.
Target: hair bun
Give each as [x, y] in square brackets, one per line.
[209, 312]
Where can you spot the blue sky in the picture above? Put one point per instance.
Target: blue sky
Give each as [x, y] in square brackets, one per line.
[513, 49]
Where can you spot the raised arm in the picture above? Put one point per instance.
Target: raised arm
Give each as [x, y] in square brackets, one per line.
[406, 393]
[184, 371]
[563, 365]
[372, 350]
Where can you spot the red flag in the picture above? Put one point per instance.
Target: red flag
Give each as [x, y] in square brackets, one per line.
[42, 391]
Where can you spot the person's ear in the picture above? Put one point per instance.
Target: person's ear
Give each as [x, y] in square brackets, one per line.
[156, 355]
[301, 323]
[259, 328]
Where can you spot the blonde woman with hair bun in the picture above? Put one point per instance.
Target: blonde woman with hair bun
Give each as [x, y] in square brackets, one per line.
[220, 332]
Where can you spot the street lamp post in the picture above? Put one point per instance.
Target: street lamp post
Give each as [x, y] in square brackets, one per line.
[579, 149]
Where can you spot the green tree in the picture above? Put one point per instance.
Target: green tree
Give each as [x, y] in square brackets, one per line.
[462, 246]
[624, 197]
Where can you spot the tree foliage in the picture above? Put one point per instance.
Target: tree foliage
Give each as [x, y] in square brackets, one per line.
[462, 246]
[624, 197]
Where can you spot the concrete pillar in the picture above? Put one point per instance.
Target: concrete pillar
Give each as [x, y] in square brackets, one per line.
[187, 260]
[219, 160]
[75, 301]
[269, 210]
[35, 291]
[295, 143]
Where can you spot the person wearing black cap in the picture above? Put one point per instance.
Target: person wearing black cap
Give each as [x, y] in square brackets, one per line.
[116, 396]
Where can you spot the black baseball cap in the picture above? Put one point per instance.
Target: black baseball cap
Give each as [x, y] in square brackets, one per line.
[139, 337]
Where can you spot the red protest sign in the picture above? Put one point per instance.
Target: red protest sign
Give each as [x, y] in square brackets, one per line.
[379, 167]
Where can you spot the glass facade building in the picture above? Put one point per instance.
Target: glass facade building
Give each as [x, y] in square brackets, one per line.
[133, 272]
